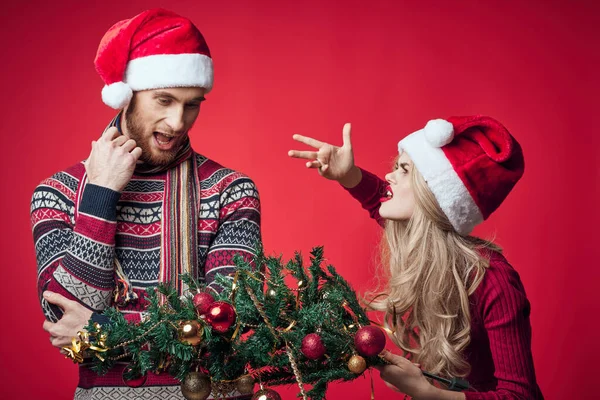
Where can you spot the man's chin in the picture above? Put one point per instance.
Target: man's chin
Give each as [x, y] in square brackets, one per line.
[159, 159]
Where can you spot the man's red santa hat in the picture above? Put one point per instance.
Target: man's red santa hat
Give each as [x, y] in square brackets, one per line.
[154, 49]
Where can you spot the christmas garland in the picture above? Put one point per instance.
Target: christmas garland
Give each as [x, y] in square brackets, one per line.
[257, 329]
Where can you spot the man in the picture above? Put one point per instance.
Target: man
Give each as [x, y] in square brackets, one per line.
[144, 207]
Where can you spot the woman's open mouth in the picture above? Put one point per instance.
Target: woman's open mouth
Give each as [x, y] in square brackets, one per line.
[387, 195]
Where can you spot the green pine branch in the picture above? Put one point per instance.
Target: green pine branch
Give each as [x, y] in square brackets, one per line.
[270, 316]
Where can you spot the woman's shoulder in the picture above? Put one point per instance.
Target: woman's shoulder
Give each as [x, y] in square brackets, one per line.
[499, 266]
[500, 278]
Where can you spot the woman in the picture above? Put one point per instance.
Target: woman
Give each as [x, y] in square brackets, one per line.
[456, 306]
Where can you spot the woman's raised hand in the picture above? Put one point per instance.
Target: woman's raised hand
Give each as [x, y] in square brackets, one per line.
[332, 162]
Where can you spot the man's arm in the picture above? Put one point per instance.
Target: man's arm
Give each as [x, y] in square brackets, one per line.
[239, 227]
[75, 251]
[74, 255]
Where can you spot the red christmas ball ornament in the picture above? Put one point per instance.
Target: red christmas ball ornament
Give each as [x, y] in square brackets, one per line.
[266, 394]
[312, 346]
[369, 341]
[220, 316]
[134, 382]
[202, 302]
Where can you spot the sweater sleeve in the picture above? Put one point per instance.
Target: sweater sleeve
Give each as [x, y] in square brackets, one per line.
[239, 229]
[505, 311]
[74, 255]
[369, 192]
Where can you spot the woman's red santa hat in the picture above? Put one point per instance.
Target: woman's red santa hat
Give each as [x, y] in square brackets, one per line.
[469, 163]
[154, 49]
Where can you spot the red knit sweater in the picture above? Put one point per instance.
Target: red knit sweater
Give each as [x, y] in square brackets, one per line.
[500, 349]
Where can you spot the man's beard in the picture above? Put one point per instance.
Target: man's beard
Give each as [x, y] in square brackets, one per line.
[135, 130]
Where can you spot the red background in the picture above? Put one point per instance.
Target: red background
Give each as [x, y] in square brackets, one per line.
[308, 67]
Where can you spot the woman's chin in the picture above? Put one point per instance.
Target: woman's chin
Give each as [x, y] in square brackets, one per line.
[391, 214]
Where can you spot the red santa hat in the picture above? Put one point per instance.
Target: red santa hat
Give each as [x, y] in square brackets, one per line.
[154, 49]
[469, 163]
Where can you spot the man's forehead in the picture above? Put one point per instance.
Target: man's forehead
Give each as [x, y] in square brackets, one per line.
[182, 94]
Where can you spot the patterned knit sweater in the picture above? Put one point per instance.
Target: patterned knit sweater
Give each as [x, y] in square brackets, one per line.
[500, 349]
[76, 248]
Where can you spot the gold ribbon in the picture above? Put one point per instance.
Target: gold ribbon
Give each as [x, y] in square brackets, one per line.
[372, 385]
[75, 351]
[386, 329]
[84, 341]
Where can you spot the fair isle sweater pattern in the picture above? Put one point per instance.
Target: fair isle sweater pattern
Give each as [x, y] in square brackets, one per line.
[76, 248]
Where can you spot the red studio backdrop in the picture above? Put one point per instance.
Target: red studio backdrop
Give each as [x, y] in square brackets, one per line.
[284, 67]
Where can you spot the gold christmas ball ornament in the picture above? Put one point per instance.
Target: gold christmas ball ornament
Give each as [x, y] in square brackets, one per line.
[302, 284]
[325, 291]
[245, 385]
[191, 332]
[196, 386]
[357, 364]
[271, 294]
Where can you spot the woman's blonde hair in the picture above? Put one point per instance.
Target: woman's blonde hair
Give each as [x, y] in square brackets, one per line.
[432, 272]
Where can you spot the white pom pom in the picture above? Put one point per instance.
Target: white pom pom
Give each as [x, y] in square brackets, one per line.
[117, 95]
[439, 132]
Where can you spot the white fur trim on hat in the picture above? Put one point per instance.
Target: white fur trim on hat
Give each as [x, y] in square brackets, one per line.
[443, 181]
[117, 95]
[439, 132]
[170, 70]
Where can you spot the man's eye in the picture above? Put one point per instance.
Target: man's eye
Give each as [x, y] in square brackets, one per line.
[164, 102]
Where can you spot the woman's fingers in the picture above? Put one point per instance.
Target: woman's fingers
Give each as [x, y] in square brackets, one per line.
[309, 155]
[308, 141]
